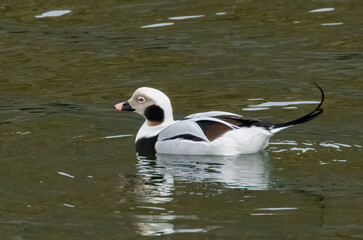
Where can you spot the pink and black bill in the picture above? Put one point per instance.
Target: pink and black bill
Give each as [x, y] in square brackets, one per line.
[124, 106]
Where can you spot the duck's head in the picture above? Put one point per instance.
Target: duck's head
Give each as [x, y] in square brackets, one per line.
[151, 103]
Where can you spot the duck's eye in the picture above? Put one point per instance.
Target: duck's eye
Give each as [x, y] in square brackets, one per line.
[141, 99]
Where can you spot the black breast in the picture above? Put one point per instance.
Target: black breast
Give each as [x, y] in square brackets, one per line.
[146, 146]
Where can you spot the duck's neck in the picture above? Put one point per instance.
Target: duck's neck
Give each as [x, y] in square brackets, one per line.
[151, 129]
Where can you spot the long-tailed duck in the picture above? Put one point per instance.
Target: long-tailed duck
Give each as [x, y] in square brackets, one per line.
[207, 133]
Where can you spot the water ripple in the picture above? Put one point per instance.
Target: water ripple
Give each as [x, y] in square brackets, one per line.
[157, 25]
[185, 17]
[281, 104]
[55, 13]
[331, 24]
[322, 10]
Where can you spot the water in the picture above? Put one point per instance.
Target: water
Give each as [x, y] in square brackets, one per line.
[68, 166]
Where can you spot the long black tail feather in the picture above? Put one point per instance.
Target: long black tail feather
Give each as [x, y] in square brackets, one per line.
[310, 116]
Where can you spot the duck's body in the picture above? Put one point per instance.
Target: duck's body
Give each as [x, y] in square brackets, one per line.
[208, 133]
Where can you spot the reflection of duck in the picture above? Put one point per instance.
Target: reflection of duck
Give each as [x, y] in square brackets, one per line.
[209, 133]
[159, 176]
[244, 172]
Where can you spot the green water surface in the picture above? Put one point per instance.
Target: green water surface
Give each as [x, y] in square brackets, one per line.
[68, 168]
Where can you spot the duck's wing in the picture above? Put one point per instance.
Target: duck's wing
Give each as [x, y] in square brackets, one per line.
[211, 114]
[231, 119]
[207, 126]
[245, 122]
[196, 129]
[184, 129]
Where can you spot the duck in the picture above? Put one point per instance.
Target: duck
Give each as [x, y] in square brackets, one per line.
[205, 133]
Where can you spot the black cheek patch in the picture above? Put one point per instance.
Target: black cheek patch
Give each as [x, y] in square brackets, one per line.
[154, 113]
